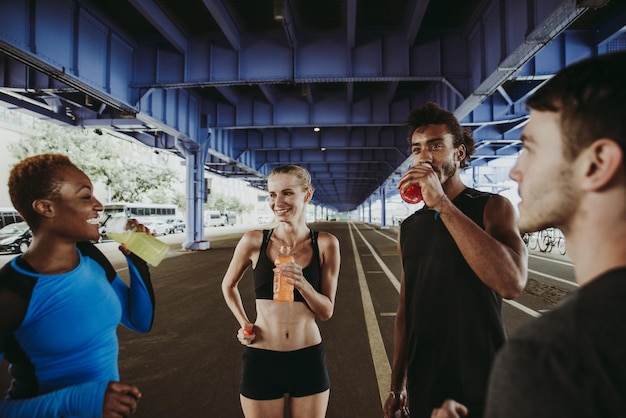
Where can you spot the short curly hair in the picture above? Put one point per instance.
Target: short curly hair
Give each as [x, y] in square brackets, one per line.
[431, 114]
[36, 178]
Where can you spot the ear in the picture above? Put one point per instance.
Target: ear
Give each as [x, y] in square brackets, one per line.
[308, 195]
[461, 151]
[44, 207]
[603, 161]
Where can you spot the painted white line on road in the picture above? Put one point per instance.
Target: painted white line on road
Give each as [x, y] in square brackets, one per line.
[558, 279]
[553, 260]
[382, 369]
[386, 236]
[523, 308]
[392, 278]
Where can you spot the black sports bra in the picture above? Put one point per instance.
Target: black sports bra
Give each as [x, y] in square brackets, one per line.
[264, 274]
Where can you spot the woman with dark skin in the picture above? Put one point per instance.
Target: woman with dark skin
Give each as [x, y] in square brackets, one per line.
[61, 301]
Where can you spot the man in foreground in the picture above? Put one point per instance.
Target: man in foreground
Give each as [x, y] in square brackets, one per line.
[572, 176]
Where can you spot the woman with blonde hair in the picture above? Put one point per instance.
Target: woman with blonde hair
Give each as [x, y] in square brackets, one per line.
[284, 354]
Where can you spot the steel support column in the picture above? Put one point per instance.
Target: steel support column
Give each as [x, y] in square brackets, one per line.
[195, 156]
[383, 208]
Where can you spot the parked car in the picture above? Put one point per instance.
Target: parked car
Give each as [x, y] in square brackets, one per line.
[15, 238]
[157, 227]
[175, 225]
[229, 218]
[213, 218]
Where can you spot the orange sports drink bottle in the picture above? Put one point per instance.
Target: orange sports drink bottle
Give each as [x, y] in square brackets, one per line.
[283, 291]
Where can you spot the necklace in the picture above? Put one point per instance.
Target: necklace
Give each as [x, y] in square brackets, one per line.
[295, 247]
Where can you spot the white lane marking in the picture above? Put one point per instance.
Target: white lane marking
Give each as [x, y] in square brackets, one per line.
[392, 278]
[565, 263]
[382, 368]
[386, 235]
[558, 279]
[523, 308]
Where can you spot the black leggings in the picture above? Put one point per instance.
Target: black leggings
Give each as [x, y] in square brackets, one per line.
[267, 374]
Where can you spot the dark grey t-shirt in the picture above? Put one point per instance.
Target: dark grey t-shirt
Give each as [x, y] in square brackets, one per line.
[569, 363]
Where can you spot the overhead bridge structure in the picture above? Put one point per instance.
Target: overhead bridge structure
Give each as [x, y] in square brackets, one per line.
[238, 87]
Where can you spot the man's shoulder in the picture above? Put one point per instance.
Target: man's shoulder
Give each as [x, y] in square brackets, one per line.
[584, 313]
[542, 344]
[475, 193]
[551, 327]
[572, 353]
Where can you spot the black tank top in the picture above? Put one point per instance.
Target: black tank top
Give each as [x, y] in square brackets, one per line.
[264, 275]
[453, 320]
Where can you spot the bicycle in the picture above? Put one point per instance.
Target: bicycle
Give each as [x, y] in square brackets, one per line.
[551, 238]
[530, 240]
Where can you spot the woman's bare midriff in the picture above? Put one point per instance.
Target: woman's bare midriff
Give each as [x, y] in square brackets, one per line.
[284, 326]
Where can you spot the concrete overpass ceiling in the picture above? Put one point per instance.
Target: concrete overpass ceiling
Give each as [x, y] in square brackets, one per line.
[255, 77]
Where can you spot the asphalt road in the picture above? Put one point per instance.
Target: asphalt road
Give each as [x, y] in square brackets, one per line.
[188, 366]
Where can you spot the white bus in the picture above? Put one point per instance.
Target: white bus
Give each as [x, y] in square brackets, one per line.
[213, 218]
[143, 211]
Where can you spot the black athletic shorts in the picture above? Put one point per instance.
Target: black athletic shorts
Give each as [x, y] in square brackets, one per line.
[267, 374]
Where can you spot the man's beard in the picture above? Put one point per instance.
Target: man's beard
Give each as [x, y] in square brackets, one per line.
[447, 171]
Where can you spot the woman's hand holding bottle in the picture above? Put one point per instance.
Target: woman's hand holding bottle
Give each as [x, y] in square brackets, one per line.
[246, 334]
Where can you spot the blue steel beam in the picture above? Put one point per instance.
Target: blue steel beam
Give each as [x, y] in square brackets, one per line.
[351, 23]
[228, 26]
[505, 108]
[162, 23]
[284, 14]
[66, 42]
[504, 45]
[417, 16]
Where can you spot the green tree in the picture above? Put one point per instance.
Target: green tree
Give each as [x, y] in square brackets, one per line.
[219, 203]
[229, 204]
[180, 200]
[104, 158]
[159, 196]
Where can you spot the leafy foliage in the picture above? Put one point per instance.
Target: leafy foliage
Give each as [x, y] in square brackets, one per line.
[104, 158]
[229, 204]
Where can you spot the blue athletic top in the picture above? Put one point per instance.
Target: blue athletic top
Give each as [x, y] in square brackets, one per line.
[58, 332]
[264, 274]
